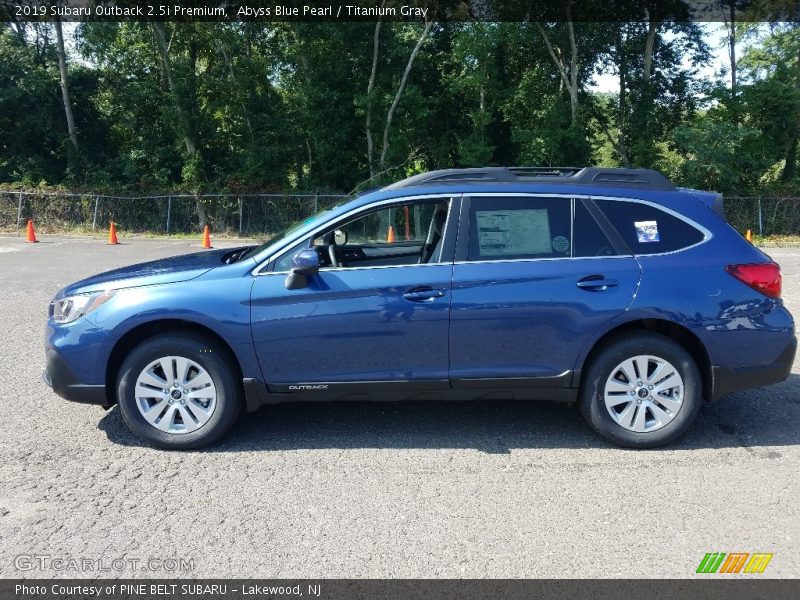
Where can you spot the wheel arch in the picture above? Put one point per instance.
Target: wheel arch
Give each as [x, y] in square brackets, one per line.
[142, 332]
[675, 331]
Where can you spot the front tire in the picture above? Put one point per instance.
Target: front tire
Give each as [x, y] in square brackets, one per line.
[642, 390]
[179, 391]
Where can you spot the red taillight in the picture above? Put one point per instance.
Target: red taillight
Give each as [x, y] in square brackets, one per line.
[762, 277]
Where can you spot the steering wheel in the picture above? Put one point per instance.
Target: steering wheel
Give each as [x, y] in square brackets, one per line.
[332, 255]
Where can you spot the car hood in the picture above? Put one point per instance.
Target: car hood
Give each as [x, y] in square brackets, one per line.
[165, 270]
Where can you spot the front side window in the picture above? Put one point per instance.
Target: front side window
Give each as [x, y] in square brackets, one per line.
[405, 223]
[284, 262]
[400, 234]
[519, 227]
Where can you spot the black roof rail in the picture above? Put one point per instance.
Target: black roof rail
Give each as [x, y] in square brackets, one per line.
[602, 176]
[544, 171]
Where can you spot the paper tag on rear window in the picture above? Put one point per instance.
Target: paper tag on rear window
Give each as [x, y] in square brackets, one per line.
[647, 231]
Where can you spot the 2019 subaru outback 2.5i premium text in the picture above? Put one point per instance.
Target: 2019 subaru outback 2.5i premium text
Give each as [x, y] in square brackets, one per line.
[606, 287]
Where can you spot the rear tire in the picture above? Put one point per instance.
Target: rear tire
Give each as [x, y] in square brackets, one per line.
[201, 397]
[642, 390]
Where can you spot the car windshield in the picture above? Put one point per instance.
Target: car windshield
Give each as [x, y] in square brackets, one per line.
[317, 217]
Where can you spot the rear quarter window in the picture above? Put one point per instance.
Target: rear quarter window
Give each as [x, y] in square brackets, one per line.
[647, 229]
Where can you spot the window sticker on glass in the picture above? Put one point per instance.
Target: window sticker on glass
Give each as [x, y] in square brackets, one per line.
[560, 244]
[513, 232]
[647, 231]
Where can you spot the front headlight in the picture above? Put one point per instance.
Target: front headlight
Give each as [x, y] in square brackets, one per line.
[66, 310]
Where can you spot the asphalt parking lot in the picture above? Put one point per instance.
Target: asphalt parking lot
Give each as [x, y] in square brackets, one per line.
[377, 490]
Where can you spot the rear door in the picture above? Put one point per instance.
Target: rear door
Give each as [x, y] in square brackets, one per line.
[535, 278]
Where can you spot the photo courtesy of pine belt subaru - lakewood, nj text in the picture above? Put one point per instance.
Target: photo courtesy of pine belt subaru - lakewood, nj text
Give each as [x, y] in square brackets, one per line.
[609, 288]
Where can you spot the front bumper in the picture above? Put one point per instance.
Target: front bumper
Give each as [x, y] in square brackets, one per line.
[726, 380]
[58, 376]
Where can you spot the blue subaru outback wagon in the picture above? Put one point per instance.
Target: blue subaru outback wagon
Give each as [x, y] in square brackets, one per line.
[609, 288]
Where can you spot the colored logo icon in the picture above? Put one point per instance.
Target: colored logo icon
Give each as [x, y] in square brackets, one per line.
[734, 562]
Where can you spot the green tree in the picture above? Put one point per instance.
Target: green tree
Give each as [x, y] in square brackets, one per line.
[773, 98]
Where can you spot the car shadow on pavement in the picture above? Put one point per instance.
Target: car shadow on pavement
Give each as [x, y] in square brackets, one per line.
[762, 417]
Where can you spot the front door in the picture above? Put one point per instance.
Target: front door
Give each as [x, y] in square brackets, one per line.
[375, 318]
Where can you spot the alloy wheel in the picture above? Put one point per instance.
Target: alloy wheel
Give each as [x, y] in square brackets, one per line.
[175, 395]
[644, 393]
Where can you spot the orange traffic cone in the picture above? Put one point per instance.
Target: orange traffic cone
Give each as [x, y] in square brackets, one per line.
[31, 235]
[749, 236]
[206, 238]
[112, 234]
[391, 238]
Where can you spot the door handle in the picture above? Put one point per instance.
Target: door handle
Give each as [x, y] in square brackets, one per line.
[596, 283]
[423, 294]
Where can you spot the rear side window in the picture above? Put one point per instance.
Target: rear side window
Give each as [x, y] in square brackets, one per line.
[514, 227]
[647, 229]
[589, 237]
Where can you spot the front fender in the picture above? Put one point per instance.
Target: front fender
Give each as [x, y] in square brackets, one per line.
[220, 306]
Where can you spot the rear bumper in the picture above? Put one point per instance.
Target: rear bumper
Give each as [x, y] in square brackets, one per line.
[58, 376]
[726, 381]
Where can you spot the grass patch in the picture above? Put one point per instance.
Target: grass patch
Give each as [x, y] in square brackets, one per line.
[776, 241]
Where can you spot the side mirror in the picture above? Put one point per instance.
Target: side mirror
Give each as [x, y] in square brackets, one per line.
[340, 237]
[304, 264]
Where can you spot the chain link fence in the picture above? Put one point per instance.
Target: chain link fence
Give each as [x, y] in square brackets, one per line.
[764, 215]
[259, 215]
[245, 215]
